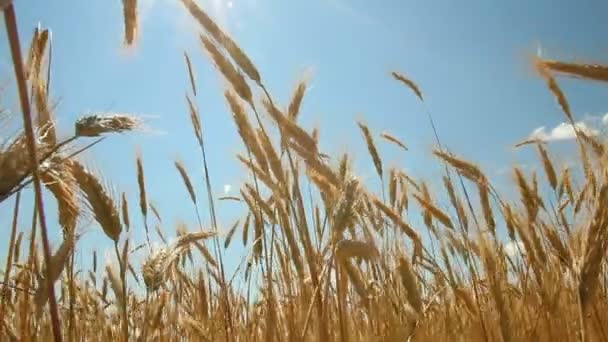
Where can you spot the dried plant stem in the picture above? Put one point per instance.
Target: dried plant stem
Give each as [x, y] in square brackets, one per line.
[216, 244]
[123, 301]
[314, 274]
[13, 37]
[30, 262]
[9, 261]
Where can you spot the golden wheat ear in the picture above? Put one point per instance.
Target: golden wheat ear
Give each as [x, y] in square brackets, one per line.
[130, 20]
[95, 125]
[371, 147]
[99, 200]
[408, 83]
[390, 138]
[596, 72]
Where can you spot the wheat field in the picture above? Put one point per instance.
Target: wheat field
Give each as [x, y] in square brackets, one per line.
[329, 259]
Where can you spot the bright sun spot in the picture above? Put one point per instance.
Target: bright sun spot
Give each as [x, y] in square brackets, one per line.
[229, 4]
[227, 188]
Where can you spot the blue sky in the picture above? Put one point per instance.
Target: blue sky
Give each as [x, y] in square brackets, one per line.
[470, 59]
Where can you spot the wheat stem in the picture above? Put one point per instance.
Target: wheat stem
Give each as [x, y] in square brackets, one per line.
[13, 37]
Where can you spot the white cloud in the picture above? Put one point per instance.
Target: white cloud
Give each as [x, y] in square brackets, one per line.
[512, 248]
[227, 188]
[563, 131]
[506, 170]
[605, 119]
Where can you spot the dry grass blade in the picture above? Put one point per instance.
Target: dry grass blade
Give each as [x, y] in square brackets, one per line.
[394, 140]
[409, 83]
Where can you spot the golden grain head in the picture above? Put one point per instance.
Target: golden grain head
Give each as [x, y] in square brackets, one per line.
[95, 125]
[130, 20]
[296, 100]
[347, 249]
[388, 137]
[409, 83]
[100, 202]
[371, 147]
[186, 179]
[234, 77]
[595, 72]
